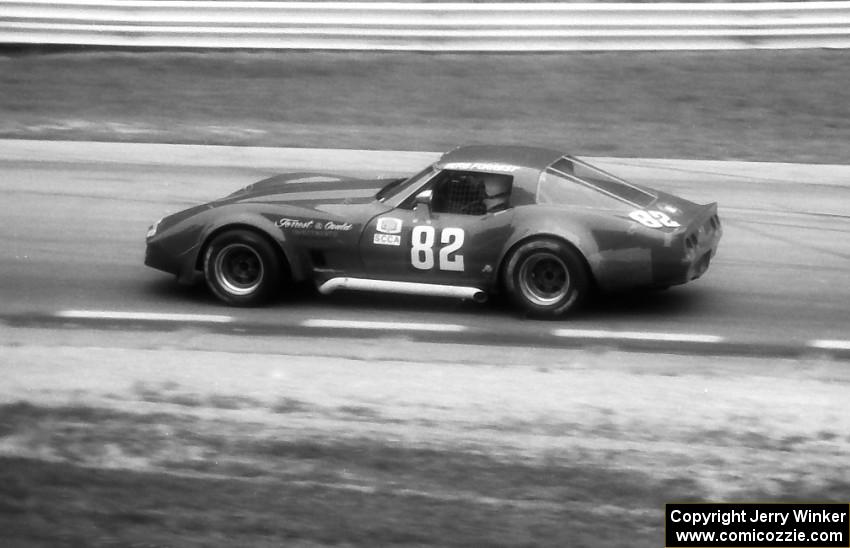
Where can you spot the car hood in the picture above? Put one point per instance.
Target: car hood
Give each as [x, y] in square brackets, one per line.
[309, 190]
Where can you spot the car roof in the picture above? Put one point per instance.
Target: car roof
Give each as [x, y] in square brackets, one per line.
[512, 155]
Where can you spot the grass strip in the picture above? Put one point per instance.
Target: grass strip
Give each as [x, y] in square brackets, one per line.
[756, 105]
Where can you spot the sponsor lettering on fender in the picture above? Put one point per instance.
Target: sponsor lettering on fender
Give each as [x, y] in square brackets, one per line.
[338, 227]
[295, 224]
[313, 227]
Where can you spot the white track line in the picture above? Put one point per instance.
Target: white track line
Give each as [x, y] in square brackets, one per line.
[636, 335]
[830, 344]
[393, 326]
[146, 316]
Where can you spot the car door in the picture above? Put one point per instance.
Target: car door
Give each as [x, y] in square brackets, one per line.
[453, 234]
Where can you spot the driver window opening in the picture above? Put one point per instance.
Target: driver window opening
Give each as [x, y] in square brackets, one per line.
[471, 193]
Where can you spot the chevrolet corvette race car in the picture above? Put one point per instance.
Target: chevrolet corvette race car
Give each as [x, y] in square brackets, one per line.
[541, 226]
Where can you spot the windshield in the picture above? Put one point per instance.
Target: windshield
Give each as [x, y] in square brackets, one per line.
[396, 187]
[603, 181]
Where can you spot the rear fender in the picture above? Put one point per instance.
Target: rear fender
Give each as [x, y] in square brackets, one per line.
[530, 225]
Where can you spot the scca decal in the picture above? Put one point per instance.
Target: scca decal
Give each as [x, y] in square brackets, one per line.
[386, 239]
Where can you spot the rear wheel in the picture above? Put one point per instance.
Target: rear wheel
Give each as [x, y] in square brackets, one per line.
[546, 278]
[242, 268]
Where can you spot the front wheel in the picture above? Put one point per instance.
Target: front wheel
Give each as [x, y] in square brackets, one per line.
[242, 268]
[546, 278]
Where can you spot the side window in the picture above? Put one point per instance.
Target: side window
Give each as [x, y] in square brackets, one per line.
[554, 188]
[471, 193]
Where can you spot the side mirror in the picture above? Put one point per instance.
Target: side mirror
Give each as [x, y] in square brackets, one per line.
[424, 197]
[422, 205]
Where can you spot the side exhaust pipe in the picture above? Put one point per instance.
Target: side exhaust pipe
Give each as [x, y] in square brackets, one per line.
[407, 288]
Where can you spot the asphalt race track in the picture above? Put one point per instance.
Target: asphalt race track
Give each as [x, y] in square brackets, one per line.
[73, 218]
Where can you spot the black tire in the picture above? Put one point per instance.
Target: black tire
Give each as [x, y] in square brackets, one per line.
[546, 278]
[242, 268]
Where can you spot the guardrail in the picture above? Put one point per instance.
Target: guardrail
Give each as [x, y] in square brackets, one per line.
[425, 27]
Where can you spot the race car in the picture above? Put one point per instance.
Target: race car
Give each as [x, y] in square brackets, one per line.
[539, 225]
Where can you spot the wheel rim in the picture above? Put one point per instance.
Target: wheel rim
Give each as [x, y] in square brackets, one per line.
[238, 269]
[544, 279]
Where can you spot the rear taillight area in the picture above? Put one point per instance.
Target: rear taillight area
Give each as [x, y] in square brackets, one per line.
[702, 234]
[691, 242]
[701, 265]
[692, 247]
[710, 226]
[715, 222]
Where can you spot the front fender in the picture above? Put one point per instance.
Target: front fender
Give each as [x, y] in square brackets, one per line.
[263, 223]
